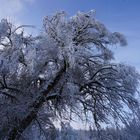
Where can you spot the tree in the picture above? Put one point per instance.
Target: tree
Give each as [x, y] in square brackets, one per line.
[64, 71]
[67, 132]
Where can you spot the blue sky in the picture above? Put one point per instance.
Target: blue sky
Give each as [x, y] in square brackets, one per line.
[117, 15]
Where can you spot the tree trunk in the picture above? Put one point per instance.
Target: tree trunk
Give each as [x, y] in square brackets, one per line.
[17, 131]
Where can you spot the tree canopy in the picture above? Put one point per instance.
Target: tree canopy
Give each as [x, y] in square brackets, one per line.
[66, 70]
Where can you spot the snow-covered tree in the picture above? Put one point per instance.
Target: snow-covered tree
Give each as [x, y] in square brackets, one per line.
[66, 70]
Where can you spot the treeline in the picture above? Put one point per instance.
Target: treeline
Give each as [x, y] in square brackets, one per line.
[130, 132]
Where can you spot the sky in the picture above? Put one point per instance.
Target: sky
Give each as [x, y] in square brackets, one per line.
[118, 15]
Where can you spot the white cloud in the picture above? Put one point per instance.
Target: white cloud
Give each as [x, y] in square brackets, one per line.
[11, 9]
